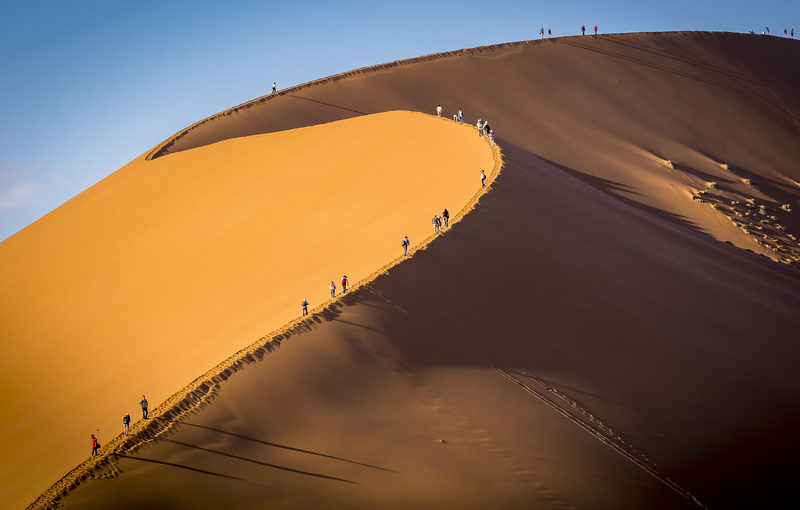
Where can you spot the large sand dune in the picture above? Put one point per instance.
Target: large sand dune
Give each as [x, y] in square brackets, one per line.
[168, 266]
[583, 338]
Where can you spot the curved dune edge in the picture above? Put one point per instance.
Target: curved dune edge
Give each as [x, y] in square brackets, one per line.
[162, 148]
[204, 388]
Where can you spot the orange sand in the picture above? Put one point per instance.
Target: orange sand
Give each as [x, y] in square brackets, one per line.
[167, 266]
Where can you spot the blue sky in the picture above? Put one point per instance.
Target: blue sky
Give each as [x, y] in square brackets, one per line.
[89, 85]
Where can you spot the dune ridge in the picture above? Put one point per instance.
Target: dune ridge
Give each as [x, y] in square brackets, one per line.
[205, 387]
[590, 271]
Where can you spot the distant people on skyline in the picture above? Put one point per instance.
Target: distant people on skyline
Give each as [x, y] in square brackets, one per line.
[404, 243]
[126, 422]
[549, 33]
[305, 307]
[486, 127]
[95, 446]
[436, 224]
[792, 32]
[483, 179]
[274, 87]
[541, 33]
[439, 110]
[785, 32]
[491, 138]
[460, 115]
[333, 289]
[583, 29]
[767, 30]
[479, 125]
[595, 30]
[344, 284]
[143, 403]
[446, 218]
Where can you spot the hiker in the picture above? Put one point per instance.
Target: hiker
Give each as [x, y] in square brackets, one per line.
[491, 138]
[785, 32]
[439, 110]
[455, 117]
[460, 115]
[483, 179]
[446, 218]
[143, 403]
[404, 243]
[479, 125]
[583, 29]
[333, 289]
[344, 284]
[595, 30]
[486, 127]
[792, 32]
[305, 307]
[274, 87]
[767, 30]
[126, 422]
[95, 446]
[549, 33]
[541, 33]
[436, 224]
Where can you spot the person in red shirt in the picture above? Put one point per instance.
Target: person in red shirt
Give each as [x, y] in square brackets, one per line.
[95, 446]
[344, 284]
[595, 30]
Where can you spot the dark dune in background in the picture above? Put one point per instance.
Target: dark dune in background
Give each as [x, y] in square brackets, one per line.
[583, 338]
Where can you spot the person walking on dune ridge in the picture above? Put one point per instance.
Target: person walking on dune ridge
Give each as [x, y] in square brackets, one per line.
[143, 403]
[541, 33]
[583, 29]
[483, 179]
[344, 284]
[479, 125]
[126, 423]
[595, 30]
[491, 138]
[305, 307]
[439, 110]
[446, 217]
[274, 87]
[333, 289]
[404, 243]
[549, 33]
[436, 224]
[460, 115]
[95, 446]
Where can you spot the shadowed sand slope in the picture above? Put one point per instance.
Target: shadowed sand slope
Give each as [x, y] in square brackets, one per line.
[583, 338]
[168, 266]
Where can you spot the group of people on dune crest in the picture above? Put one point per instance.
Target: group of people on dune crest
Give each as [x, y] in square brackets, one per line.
[126, 423]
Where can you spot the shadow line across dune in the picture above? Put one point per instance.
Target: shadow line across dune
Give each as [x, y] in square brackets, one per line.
[285, 447]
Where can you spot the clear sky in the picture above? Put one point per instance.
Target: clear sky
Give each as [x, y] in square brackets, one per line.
[89, 85]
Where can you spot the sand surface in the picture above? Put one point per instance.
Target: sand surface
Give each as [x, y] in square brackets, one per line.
[602, 331]
[164, 268]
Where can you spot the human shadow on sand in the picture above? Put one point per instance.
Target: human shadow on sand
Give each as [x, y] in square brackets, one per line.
[267, 464]
[188, 468]
[285, 447]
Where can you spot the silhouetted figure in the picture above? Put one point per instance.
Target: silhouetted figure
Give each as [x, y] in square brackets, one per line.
[274, 87]
[95, 446]
[333, 289]
[767, 30]
[438, 110]
[446, 218]
[549, 33]
[785, 32]
[460, 115]
[305, 307]
[143, 403]
[486, 128]
[436, 224]
[344, 284]
[483, 179]
[404, 243]
[792, 32]
[583, 29]
[541, 32]
[491, 138]
[479, 125]
[126, 423]
[595, 30]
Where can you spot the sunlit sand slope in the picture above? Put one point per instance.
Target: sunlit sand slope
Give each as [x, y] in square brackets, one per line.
[165, 267]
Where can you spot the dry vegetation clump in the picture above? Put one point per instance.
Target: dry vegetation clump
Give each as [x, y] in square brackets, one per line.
[787, 207]
[724, 166]
[713, 185]
[750, 182]
[668, 164]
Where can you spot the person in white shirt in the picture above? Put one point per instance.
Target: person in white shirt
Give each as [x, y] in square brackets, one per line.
[439, 110]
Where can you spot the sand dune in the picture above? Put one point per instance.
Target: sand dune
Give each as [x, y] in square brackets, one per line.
[584, 338]
[168, 266]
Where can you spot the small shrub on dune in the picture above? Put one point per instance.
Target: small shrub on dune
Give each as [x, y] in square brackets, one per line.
[713, 185]
[787, 207]
[668, 164]
[724, 166]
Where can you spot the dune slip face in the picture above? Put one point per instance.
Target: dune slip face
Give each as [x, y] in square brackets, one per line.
[601, 332]
[168, 266]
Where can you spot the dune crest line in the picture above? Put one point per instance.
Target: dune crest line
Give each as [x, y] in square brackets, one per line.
[199, 393]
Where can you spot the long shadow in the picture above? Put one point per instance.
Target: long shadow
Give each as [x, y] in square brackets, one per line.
[190, 468]
[267, 464]
[328, 104]
[682, 74]
[284, 447]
